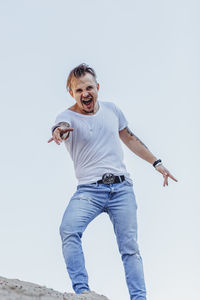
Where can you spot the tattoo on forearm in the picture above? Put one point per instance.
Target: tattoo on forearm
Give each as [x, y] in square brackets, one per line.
[132, 134]
[64, 124]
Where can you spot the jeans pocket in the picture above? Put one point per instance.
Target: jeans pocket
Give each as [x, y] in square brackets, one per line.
[126, 182]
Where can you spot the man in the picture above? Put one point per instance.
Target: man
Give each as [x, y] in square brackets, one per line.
[91, 131]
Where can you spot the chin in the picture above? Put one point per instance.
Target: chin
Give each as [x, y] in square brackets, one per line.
[88, 112]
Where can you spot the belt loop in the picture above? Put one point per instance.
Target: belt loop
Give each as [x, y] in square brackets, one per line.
[95, 184]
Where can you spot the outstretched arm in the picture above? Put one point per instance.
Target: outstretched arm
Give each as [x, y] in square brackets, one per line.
[60, 132]
[140, 149]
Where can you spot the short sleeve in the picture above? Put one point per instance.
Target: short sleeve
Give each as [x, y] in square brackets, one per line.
[121, 117]
[60, 118]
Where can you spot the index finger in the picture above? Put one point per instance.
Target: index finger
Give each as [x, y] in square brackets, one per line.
[172, 177]
[50, 140]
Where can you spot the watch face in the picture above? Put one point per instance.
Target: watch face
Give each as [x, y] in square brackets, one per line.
[108, 178]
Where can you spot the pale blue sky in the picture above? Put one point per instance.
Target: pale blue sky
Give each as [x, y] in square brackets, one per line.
[146, 56]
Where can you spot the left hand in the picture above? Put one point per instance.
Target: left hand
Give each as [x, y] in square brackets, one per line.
[165, 174]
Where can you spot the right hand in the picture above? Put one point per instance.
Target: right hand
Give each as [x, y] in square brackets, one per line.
[57, 135]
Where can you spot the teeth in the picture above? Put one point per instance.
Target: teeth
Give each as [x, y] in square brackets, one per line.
[87, 101]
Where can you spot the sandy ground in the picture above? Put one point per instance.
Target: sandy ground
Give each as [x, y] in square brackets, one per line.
[15, 289]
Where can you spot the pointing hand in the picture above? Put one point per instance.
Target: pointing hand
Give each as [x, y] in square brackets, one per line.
[58, 135]
[165, 174]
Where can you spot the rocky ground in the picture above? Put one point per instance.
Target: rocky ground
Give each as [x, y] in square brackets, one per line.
[15, 289]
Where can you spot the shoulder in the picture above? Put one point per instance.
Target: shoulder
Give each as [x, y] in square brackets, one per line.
[108, 104]
[112, 106]
[63, 115]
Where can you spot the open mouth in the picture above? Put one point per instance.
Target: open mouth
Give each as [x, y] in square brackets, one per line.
[87, 102]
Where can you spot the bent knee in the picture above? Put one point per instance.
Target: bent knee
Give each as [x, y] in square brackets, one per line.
[129, 247]
[66, 227]
[69, 232]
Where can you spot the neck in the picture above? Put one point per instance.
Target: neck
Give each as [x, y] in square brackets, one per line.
[92, 112]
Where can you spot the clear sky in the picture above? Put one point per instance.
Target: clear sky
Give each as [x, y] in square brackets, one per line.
[146, 56]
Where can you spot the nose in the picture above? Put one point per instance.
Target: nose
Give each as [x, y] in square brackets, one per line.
[85, 94]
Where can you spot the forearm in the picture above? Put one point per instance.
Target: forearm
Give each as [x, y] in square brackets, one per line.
[140, 149]
[63, 125]
[137, 147]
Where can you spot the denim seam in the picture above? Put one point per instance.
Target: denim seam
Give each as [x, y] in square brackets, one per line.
[117, 235]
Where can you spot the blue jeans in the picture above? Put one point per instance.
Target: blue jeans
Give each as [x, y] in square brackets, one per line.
[89, 200]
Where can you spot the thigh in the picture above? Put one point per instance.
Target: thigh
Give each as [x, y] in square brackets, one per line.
[122, 211]
[80, 211]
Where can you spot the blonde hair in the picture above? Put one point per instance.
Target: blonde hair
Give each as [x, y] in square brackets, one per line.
[79, 71]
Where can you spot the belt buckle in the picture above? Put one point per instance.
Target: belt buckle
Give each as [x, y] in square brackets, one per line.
[108, 178]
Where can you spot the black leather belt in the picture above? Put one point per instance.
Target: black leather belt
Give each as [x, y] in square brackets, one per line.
[109, 178]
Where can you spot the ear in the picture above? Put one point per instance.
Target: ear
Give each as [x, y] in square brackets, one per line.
[71, 93]
[97, 86]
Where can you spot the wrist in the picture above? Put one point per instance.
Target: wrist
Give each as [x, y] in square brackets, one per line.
[54, 128]
[157, 163]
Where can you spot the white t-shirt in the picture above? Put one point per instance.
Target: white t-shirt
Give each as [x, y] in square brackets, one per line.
[94, 144]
